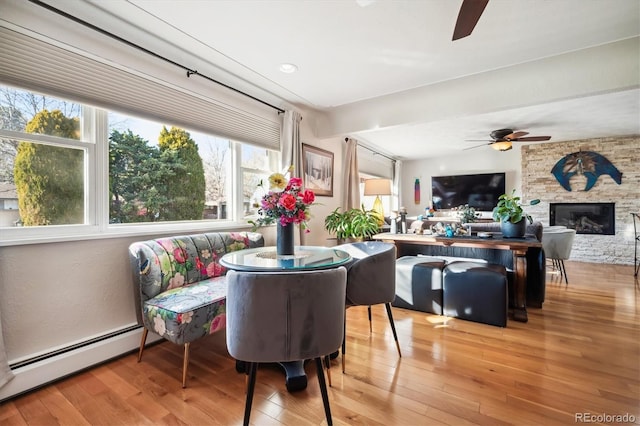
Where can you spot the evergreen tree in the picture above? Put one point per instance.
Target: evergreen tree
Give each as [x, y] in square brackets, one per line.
[49, 179]
[134, 168]
[185, 189]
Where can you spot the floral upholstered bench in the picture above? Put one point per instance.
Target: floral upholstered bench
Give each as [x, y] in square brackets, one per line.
[180, 288]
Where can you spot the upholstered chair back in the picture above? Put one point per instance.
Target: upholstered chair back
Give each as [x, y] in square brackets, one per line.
[289, 316]
[371, 276]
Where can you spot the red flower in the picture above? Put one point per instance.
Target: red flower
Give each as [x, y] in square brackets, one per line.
[288, 201]
[308, 196]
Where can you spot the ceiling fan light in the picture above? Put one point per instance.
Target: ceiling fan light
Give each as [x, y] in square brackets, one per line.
[501, 146]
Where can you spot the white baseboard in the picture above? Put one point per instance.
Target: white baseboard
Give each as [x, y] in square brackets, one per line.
[48, 370]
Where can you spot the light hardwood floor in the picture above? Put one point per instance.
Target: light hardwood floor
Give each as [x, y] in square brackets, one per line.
[579, 354]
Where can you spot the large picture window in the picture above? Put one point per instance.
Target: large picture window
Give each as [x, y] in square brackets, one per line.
[50, 158]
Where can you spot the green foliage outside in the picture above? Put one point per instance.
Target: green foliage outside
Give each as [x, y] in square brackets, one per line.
[185, 188]
[148, 184]
[50, 180]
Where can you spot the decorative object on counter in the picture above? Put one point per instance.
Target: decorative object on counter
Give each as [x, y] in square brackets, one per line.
[467, 214]
[393, 219]
[586, 163]
[285, 204]
[448, 231]
[355, 224]
[511, 215]
[429, 211]
[403, 220]
[377, 187]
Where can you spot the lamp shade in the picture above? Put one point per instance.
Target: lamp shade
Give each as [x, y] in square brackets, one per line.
[501, 146]
[377, 187]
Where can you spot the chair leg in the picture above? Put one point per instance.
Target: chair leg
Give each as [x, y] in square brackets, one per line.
[563, 271]
[323, 391]
[393, 327]
[369, 311]
[143, 340]
[328, 362]
[253, 370]
[344, 342]
[185, 365]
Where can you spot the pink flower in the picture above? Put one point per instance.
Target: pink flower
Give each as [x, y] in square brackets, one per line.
[214, 270]
[295, 182]
[179, 255]
[218, 323]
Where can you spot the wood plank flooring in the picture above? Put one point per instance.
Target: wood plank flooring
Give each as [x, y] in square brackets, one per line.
[579, 354]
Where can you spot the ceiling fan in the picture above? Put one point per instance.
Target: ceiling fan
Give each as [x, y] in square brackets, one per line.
[501, 139]
[468, 17]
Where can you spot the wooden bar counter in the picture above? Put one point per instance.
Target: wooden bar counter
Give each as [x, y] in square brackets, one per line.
[517, 246]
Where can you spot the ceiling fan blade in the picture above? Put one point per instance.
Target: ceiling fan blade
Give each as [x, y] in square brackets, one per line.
[468, 17]
[476, 146]
[516, 135]
[532, 139]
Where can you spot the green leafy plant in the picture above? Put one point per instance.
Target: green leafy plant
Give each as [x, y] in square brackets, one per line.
[353, 223]
[467, 214]
[509, 209]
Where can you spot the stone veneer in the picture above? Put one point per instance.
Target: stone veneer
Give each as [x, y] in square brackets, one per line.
[538, 182]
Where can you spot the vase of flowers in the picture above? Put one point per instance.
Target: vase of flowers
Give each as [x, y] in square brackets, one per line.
[286, 204]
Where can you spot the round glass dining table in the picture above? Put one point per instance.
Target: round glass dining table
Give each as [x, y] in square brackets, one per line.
[305, 258]
[265, 259]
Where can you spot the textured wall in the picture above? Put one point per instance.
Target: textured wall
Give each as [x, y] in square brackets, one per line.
[538, 182]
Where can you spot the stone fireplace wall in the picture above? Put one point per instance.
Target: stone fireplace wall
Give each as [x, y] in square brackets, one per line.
[538, 182]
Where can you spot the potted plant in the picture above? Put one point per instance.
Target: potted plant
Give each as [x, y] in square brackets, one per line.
[355, 224]
[467, 214]
[511, 215]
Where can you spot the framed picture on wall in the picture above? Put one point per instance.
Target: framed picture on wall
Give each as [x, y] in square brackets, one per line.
[317, 169]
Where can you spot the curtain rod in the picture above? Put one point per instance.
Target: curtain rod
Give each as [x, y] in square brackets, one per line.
[189, 71]
[374, 152]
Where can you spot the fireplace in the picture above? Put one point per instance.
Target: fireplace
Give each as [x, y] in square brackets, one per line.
[585, 218]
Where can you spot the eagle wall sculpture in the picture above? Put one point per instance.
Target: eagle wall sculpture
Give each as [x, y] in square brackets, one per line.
[588, 163]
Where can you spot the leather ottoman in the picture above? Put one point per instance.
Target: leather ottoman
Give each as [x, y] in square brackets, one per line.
[476, 292]
[419, 283]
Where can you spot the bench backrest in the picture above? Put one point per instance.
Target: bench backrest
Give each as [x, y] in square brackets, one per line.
[165, 263]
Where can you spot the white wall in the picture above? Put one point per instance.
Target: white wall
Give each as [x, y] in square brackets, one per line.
[479, 160]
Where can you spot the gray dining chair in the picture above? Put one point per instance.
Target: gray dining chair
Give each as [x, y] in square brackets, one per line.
[285, 316]
[557, 246]
[371, 280]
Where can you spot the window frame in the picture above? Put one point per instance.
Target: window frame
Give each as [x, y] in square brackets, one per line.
[95, 144]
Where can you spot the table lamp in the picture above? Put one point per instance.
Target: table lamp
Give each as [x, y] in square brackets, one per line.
[377, 187]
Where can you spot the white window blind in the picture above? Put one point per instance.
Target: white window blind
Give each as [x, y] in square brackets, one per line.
[374, 164]
[36, 65]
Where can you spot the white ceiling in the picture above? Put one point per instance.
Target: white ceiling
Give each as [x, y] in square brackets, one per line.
[351, 52]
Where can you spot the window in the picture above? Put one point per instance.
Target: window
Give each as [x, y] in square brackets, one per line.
[43, 156]
[149, 172]
[367, 200]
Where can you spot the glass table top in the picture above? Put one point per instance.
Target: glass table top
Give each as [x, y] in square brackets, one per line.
[305, 258]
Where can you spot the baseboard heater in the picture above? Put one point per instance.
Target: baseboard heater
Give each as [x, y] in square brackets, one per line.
[46, 368]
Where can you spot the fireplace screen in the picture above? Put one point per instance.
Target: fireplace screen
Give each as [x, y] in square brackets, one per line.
[585, 218]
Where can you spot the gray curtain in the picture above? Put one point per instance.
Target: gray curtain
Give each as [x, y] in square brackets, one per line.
[291, 148]
[5, 371]
[350, 177]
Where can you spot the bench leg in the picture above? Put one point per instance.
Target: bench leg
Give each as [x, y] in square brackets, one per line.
[185, 364]
[143, 340]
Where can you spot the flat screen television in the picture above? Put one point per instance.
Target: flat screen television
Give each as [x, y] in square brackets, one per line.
[480, 191]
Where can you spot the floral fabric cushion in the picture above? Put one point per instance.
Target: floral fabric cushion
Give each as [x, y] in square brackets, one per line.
[187, 313]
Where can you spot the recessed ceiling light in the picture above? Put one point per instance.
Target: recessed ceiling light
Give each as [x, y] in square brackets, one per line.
[288, 68]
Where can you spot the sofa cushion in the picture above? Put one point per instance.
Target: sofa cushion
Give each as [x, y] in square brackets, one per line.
[185, 313]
